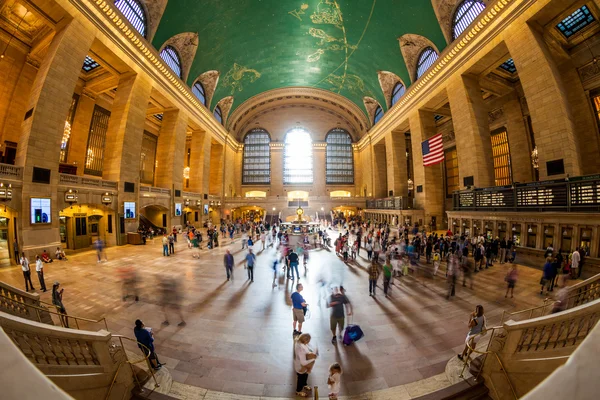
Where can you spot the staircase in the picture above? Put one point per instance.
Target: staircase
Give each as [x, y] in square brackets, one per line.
[146, 224]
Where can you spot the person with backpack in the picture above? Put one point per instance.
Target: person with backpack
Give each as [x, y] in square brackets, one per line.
[336, 319]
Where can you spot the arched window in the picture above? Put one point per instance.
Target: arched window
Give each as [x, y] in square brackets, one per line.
[298, 157]
[218, 114]
[426, 60]
[199, 92]
[465, 14]
[170, 56]
[378, 115]
[339, 165]
[256, 167]
[135, 14]
[398, 92]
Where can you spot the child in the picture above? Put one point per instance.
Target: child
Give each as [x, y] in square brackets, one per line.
[436, 262]
[333, 381]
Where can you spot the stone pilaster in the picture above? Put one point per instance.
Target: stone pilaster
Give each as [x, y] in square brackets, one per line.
[379, 168]
[397, 175]
[277, 169]
[41, 133]
[431, 196]
[80, 131]
[319, 167]
[518, 141]
[546, 96]
[199, 162]
[216, 169]
[471, 127]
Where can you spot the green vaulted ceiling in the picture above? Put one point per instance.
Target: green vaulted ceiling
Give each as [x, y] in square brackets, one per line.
[338, 45]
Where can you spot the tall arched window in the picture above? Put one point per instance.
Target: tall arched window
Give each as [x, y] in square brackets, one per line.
[426, 60]
[135, 14]
[218, 114]
[199, 92]
[398, 92]
[256, 167]
[378, 115]
[464, 15]
[298, 157]
[339, 165]
[170, 56]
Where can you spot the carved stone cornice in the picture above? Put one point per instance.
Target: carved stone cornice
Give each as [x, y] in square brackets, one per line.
[33, 61]
[298, 95]
[88, 93]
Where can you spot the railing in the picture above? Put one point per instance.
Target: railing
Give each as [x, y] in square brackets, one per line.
[156, 190]
[42, 312]
[580, 193]
[8, 171]
[66, 179]
[192, 194]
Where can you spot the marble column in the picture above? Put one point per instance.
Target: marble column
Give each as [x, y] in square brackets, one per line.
[200, 162]
[397, 175]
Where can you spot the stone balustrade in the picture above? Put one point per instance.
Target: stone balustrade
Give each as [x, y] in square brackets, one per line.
[82, 363]
[23, 304]
[74, 180]
[531, 350]
[13, 172]
[155, 190]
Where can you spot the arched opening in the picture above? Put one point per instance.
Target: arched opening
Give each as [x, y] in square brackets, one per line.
[154, 217]
[218, 114]
[249, 213]
[199, 92]
[135, 14]
[339, 165]
[426, 59]
[378, 115]
[298, 157]
[464, 15]
[80, 225]
[9, 245]
[172, 59]
[398, 92]
[256, 167]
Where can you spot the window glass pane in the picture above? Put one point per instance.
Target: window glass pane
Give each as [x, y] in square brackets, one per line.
[501, 154]
[426, 60]
[198, 91]
[398, 92]
[257, 158]
[465, 15]
[575, 22]
[298, 158]
[148, 158]
[171, 58]
[339, 158]
[94, 156]
[64, 143]
[218, 114]
[134, 12]
[378, 115]
[451, 161]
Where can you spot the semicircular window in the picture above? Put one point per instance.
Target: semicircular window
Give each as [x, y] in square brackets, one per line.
[465, 15]
[339, 165]
[378, 115]
[135, 14]
[398, 92]
[256, 168]
[426, 60]
[170, 56]
[218, 114]
[199, 92]
[298, 157]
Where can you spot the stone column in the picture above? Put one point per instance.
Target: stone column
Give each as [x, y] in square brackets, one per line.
[171, 156]
[216, 169]
[319, 170]
[397, 175]
[431, 197]
[555, 134]
[471, 126]
[19, 97]
[199, 162]
[518, 141]
[277, 171]
[80, 131]
[379, 170]
[41, 133]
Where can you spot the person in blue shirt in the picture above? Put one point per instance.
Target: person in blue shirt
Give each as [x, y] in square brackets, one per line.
[250, 260]
[146, 343]
[298, 306]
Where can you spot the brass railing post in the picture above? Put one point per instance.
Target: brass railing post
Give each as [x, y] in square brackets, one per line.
[316, 393]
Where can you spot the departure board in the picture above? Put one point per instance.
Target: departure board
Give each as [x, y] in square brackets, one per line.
[496, 197]
[585, 193]
[466, 200]
[548, 194]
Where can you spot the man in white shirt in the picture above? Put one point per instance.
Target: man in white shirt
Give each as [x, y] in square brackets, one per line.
[39, 268]
[26, 272]
[575, 259]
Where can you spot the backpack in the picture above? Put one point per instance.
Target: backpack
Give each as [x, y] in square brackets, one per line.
[352, 334]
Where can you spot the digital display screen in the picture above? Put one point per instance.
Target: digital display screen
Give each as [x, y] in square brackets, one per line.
[40, 211]
[129, 207]
[206, 209]
[178, 209]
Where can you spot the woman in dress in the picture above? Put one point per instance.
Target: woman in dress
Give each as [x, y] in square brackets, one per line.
[304, 361]
[477, 325]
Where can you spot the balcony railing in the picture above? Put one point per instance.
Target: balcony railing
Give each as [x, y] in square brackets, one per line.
[580, 193]
[155, 190]
[8, 171]
[74, 180]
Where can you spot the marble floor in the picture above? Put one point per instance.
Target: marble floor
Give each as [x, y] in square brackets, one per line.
[238, 337]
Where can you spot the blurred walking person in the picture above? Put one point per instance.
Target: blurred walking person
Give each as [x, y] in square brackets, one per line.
[170, 299]
[228, 263]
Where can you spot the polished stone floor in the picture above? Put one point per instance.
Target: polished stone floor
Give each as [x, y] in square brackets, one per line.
[238, 337]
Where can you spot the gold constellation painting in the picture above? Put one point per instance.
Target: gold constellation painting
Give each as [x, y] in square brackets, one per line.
[238, 75]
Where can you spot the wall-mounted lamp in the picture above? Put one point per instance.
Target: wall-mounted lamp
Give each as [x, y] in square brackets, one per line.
[530, 230]
[514, 228]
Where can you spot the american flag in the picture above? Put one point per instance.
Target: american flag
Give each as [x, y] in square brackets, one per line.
[433, 150]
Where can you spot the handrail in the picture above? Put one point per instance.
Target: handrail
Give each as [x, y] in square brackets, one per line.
[145, 358]
[488, 351]
[60, 315]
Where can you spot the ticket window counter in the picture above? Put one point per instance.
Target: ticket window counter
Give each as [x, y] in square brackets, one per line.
[502, 230]
[532, 232]
[566, 239]
[585, 240]
[488, 230]
[548, 236]
[516, 234]
[465, 228]
[476, 230]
